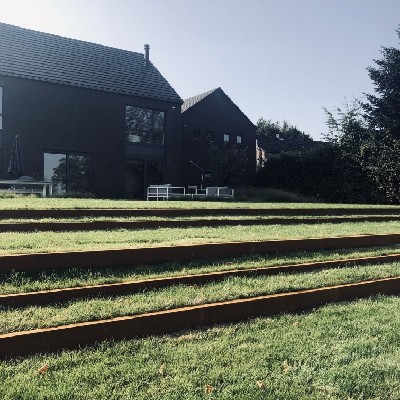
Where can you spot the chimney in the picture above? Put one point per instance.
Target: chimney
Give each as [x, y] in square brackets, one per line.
[146, 55]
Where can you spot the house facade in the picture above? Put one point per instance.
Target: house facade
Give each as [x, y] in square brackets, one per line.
[213, 119]
[96, 119]
[88, 117]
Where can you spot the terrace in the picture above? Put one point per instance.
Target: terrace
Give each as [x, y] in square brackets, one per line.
[311, 353]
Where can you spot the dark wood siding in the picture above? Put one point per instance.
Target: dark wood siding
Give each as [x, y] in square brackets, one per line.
[215, 113]
[51, 117]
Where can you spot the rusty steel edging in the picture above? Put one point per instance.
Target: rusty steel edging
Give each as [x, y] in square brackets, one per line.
[114, 289]
[133, 225]
[150, 255]
[81, 334]
[178, 212]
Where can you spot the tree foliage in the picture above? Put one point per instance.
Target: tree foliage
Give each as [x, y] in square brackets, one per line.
[361, 162]
[228, 161]
[382, 108]
[271, 130]
[321, 172]
[368, 132]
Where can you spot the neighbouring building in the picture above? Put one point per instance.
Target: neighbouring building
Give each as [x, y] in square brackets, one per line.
[269, 146]
[212, 118]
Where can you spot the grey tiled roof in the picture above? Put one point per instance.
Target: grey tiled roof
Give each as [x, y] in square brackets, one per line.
[191, 101]
[29, 54]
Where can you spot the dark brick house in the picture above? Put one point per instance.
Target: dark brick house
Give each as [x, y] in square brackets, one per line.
[90, 117]
[212, 117]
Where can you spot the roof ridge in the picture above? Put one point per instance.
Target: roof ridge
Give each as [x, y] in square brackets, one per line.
[53, 35]
[191, 101]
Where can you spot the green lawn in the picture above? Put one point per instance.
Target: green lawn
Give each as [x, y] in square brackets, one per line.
[64, 241]
[181, 295]
[46, 203]
[239, 218]
[19, 282]
[340, 351]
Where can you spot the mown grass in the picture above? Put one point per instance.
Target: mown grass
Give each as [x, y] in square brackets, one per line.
[67, 241]
[32, 317]
[19, 282]
[206, 217]
[340, 351]
[238, 218]
[59, 203]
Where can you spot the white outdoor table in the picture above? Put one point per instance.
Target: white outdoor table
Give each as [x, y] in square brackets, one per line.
[26, 187]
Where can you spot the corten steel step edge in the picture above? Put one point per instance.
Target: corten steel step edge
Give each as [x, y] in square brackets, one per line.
[114, 289]
[163, 322]
[153, 255]
[177, 212]
[109, 225]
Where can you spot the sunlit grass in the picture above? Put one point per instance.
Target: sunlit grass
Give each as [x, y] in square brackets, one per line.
[239, 218]
[33, 317]
[345, 351]
[58, 203]
[64, 241]
[18, 282]
[340, 351]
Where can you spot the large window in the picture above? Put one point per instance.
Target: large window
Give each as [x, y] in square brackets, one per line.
[144, 125]
[1, 108]
[69, 172]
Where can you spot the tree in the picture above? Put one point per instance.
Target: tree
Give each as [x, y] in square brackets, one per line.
[268, 128]
[321, 172]
[228, 161]
[367, 132]
[381, 151]
[348, 130]
[382, 108]
[271, 130]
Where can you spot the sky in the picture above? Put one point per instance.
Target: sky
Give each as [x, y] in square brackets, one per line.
[276, 59]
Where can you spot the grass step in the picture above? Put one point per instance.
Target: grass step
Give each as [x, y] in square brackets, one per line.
[66, 294]
[155, 323]
[176, 212]
[154, 224]
[135, 256]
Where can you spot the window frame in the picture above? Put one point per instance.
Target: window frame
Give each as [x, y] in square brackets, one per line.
[68, 155]
[152, 132]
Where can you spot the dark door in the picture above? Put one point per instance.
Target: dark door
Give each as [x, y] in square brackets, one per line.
[140, 174]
